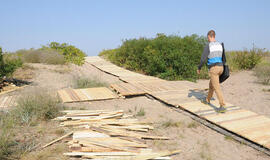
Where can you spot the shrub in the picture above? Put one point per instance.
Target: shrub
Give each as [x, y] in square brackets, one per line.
[30, 109]
[171, 123]
[71, 53]
[40, 56]
[52, 57]
[38, 106]
[8, 65]
[245, 59]
[80, 82]
[262, 71]
[168, 57]
[6, 134]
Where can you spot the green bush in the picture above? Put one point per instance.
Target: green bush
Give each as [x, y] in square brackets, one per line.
[168, 57]
[239, 60]
[8, 65]
[71, 53]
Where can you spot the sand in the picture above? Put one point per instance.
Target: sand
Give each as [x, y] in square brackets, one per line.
[194, 139]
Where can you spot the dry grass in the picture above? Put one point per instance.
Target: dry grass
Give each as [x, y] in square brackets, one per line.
[29, 119]
[262, 71]
[53, 153]
[41, 56]
[63, 70]
[193, 124]
[59, 131]
[228, 138]
[205, 152]
[36, 106]
[83, 82]
[26, 72]
[171, 123]
[140, 113]
[266, 90]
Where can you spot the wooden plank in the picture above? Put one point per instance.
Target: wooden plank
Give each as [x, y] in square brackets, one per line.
[115, 141]
[94, 148]
[8, 101]
[13, 89]
[241, 124]
[127, 89]
[251, 129]
[127, 134]
[140, 156]
[100, 154]
[258, 133]
[58, 139]
[64, 96]
[88, 134]
[198, 106]
[219, 118]
[87, 94]
[105, 144]
[121, 158]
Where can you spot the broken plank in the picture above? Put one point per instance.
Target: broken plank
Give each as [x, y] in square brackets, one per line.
[100, 154]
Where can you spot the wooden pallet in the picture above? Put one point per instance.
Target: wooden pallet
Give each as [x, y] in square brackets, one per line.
[87, 94]
[7, 101]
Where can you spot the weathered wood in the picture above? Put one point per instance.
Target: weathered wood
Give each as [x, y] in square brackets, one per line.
[86, 94]
[8, 101]
[187, 96]
[140, 156]
[127, 89]
[58, 139]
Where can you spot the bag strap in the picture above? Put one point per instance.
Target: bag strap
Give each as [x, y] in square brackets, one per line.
[223, 54]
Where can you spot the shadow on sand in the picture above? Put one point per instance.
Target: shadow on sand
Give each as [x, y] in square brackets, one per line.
[201, 95]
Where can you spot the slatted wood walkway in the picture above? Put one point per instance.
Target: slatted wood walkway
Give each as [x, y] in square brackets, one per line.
[87, 94]
[7, 101]
[187, 96]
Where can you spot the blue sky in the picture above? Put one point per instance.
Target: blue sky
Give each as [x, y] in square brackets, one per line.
[94, 25]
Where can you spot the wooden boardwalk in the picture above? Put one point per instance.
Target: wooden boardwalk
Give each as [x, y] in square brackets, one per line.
[187, 96]
[86, 94]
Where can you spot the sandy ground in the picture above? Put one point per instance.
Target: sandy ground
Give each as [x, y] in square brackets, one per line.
[243, 90]
[194, 139]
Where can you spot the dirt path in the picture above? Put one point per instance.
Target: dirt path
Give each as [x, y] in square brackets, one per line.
[194, 139]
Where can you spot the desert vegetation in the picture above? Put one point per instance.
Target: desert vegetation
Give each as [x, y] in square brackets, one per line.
[53, 53]
[8, 66]
[262, 70]
[32, 110]
[84, 82]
